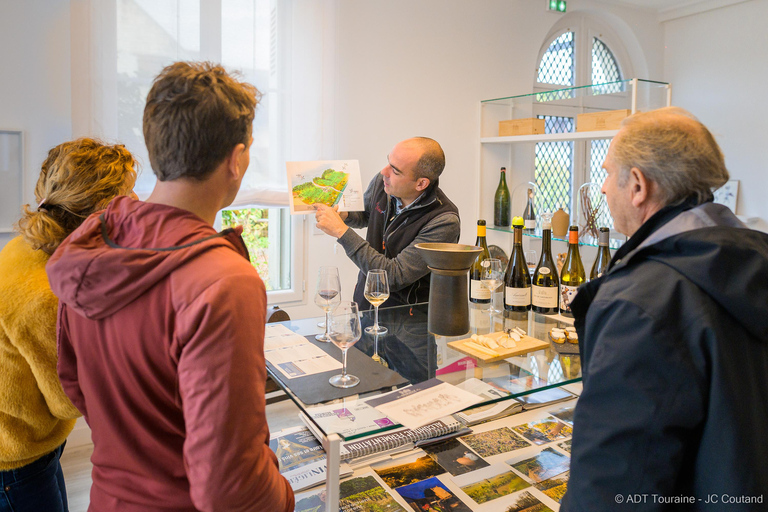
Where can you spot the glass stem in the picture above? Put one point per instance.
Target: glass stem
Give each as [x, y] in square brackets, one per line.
[327, 325]
[344, 363]
[376, 318]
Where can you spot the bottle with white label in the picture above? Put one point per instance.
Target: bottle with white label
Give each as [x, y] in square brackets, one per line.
[545, 286]
[517, 279]
[572, 276]
[478, 293]
[529, 215]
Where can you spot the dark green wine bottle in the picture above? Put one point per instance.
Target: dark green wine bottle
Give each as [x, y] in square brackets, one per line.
[501, 210]
[517, 279]
[545, 286]
[478, 293]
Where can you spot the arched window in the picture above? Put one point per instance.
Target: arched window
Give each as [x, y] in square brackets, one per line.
[575, 54]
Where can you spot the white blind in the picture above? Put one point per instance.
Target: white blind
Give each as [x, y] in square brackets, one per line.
[119, 46]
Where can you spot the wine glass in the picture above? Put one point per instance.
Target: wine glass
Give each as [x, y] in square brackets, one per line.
[344, 333]
[491, 278]
[376, 292]
[327, 297]
[531, 259]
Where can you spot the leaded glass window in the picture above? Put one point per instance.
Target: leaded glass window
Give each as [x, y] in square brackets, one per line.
[557, 64]
[604, 68]
[554, 167]
[597, 153]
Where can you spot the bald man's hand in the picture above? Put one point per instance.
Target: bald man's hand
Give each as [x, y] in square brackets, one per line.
[329, 220]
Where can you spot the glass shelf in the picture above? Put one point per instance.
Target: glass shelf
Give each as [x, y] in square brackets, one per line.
[634, 94]
[587, 240]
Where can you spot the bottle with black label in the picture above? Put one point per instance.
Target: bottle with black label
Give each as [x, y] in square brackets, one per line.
[545, 286]
[603, 254]
[517, 279]
[501, 212]
[478, 293]
[572, 275]
[529, 215]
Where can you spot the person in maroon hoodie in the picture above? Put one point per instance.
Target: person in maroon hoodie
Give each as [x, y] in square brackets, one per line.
[161, 322]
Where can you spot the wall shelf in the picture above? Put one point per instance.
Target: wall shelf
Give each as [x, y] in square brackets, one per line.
[550, 137]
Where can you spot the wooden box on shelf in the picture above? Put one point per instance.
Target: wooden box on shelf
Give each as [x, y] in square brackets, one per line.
[527, 126]
[596, 121]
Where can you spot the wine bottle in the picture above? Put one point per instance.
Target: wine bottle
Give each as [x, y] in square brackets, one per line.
[501, 213]
[478, 293]
[603, 254]
[517, 279]
[529, 215]
[545, 286]
[572, 275]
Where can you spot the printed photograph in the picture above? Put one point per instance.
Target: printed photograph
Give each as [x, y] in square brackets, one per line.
[544, 431]
[555, 487]
[494, 442]
[313, 501]
[455, 457]
[407, 470]
[296, 449]
[431, 495]
[490, 483]
[565, 445]
[365, 494]
[526, 502]
[565, 414]
[543, 466]
[329, 182]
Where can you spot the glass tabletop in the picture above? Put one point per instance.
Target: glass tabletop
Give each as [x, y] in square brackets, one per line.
[418, 355]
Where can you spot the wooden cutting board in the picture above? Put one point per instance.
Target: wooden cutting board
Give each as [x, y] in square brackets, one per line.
[525, 345]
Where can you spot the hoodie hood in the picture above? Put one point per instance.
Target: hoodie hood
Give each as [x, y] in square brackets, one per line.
[714, 250]
[118, 254]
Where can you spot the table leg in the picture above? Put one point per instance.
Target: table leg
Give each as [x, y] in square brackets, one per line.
[331, 445]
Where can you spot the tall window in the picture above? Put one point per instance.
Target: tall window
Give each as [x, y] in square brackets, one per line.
[573, 57]
[241, 35]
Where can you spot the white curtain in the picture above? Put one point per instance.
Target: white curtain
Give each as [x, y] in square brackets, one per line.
[284, 47]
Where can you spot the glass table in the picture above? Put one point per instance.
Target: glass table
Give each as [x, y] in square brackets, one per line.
[418, 355]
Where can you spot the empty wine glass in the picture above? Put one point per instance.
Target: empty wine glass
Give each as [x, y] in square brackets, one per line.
[491, 278]
[531, 259]
[376, 292]
[345, 332]
[328, 296]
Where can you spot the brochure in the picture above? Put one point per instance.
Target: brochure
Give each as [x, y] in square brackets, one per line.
[328, 182]
[301, 458]
[418, 405]
[351, 419]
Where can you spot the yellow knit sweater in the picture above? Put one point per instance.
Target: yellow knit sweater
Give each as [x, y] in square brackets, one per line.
[35, 414]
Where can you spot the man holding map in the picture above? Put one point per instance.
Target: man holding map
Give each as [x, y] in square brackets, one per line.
[404, 206]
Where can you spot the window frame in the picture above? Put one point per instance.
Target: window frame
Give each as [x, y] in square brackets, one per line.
[585, 29]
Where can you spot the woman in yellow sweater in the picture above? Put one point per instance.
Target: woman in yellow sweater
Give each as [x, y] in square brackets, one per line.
[77, 178]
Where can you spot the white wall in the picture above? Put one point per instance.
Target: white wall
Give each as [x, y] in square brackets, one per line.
[35, 87]
[717, 64]
[406, 68]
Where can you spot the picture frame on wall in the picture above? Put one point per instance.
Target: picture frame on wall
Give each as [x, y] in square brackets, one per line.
[728, 194]
[11, 178]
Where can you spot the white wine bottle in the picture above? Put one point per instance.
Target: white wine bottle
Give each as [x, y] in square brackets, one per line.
[603, 254]
[572, 276]
[545, 286]
[517, 279]
[478, 293]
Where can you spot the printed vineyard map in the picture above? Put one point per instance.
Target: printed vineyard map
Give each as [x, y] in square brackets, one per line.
[326, 182]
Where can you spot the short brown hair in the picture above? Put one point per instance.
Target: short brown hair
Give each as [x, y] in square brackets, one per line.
[77, 178]
[196, 113]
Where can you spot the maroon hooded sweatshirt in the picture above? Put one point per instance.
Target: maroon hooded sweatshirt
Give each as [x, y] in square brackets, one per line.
[161, 347]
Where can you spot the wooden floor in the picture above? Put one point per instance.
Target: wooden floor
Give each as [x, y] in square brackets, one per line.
[76, 462]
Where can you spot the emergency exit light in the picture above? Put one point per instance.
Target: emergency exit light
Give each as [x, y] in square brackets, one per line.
[557, 5]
